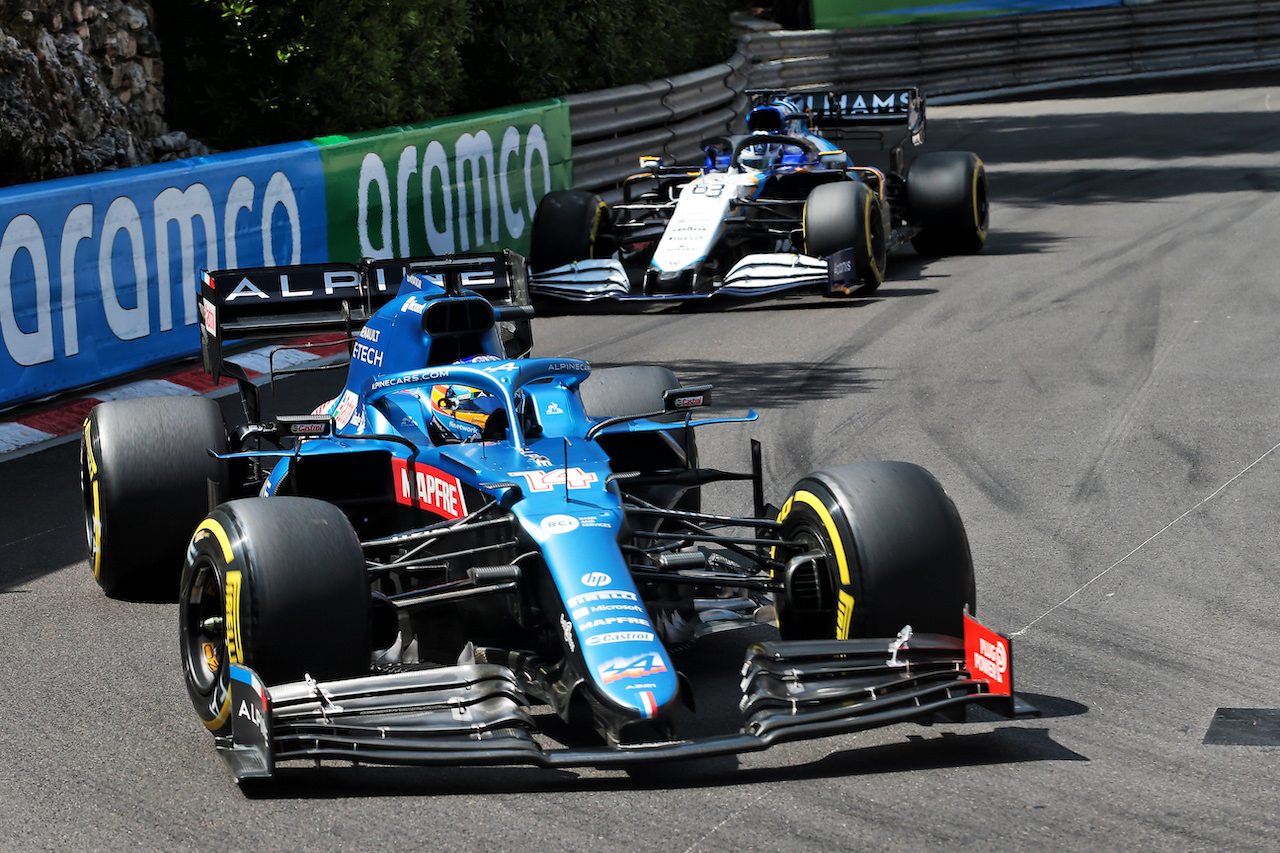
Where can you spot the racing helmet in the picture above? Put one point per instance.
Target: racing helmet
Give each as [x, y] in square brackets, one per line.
[763, 156]
[463, 413]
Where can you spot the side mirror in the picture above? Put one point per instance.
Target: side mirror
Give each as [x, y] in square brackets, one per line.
[304, 426]
[682, 399]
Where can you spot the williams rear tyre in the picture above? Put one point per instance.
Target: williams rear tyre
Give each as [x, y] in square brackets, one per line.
[275, 584]
[144, 472]
[568, 226]
[892, 551]
[947, 198]
[848, 215]
[637, 390]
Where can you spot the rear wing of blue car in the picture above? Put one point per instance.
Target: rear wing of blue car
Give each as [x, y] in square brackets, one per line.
[288, 302]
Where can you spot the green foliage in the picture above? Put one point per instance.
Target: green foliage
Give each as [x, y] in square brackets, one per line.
[257, 73]
[525, 50]
[242, 73]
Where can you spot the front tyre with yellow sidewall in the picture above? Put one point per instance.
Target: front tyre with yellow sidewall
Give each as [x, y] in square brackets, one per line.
[569, 226]
[893, 553]
[275, 584]
[848, 215]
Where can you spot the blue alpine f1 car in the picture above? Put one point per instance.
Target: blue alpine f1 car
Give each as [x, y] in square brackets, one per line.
[781, 207]
[469, 551]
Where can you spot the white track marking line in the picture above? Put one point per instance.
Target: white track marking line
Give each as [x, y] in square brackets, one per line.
[1147, 541]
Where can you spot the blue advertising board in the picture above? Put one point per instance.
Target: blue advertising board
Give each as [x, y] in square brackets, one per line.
[98, 274]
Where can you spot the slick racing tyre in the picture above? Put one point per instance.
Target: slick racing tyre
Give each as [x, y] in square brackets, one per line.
[894, 553]
[636, 390]
[848, 215]
[568, 226]
[144, 472]
[275, 584]
[947, 198]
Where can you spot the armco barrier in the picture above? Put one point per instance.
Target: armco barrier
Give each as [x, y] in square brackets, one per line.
[611, 129]
[98, 274]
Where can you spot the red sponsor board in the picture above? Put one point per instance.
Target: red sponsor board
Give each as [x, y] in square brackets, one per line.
[986, 656]
[432, 489]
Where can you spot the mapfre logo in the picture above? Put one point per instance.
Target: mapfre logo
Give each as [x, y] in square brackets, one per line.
[430, 488]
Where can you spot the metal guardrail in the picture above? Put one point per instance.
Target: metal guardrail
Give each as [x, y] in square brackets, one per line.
[612, 128]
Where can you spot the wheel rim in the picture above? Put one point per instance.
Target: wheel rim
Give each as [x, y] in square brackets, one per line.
[204, 648]
[809, 592]
[813, 594]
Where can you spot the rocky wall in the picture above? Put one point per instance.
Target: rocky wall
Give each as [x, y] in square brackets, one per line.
[81, 90]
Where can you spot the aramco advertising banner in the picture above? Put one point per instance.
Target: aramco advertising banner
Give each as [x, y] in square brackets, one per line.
[843, 14]
[469, 184]
[99, 274]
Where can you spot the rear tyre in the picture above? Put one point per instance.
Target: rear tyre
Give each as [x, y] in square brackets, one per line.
[144, 473]
[947, 197]
[848, 215]
[568, 226]
[275, 584]
[635, 390]
[894, 553]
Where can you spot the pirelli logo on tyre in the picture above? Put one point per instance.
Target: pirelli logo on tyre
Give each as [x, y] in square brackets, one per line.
[234, 651]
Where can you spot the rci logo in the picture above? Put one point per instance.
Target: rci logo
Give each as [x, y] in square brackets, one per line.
[596, 578]
[560, 524]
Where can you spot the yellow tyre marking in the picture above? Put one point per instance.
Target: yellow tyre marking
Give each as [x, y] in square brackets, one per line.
[595, 228]
[977, 219]
[97, 530]
[844, 615]
[232, 624]
[844, 602]
[215, 529]
[223, 714]
[97, 508]
[866, 229]
[812, 501]
[231, 610]
[88, 444]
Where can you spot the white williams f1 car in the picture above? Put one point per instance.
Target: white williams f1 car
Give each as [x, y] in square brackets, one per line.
[780, 207]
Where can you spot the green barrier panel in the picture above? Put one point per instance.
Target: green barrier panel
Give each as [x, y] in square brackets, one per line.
[841, 14]
[463, 184]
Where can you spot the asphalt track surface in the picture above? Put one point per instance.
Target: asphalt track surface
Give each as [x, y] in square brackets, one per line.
[1096, 390]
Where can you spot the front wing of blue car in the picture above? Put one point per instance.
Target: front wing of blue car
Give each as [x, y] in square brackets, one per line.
[479, 713]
